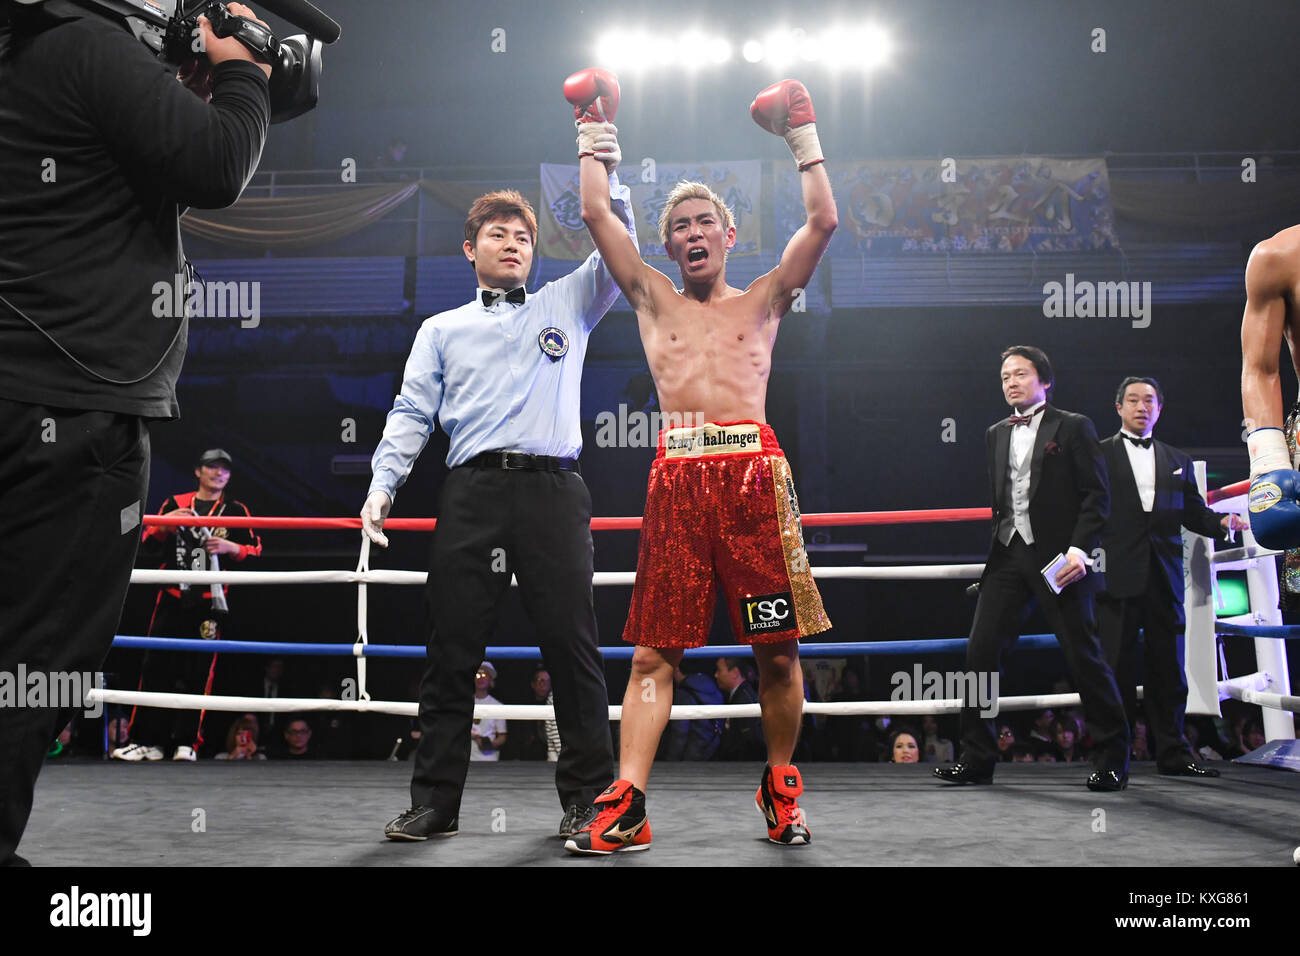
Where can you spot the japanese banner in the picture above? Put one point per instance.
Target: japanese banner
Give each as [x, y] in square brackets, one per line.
[563, 236]
[1018, 204]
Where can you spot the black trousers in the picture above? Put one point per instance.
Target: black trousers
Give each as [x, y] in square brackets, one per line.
[536, 524]
[1160, 615]
[175, 672]
[72, 490]
[1011, 580]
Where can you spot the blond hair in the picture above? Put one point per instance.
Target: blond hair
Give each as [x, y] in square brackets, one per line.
[692, 190]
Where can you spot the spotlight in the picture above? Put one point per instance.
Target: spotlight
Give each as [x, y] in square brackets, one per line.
[752, 51]
[876, 45]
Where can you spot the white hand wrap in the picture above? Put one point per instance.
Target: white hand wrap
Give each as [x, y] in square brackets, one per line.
[600, 140]
[1268, 451]
[803, 142]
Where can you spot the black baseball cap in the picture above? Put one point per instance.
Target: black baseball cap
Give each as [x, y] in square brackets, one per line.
[213, 455]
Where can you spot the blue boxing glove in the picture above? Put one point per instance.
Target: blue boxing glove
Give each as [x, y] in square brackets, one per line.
[1274, 490]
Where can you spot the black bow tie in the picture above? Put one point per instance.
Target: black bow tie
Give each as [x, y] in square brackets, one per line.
[514, 297]
[1015, 420]
[1141, 442]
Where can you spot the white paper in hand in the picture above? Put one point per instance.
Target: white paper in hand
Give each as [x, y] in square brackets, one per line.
[1050, 572]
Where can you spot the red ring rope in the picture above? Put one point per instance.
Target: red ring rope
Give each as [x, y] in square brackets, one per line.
[827, 519]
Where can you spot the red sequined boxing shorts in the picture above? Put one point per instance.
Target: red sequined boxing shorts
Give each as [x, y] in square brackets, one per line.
[721, 509]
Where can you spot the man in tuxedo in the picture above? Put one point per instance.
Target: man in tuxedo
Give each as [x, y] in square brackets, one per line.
[1050, 499]
[1152, 494]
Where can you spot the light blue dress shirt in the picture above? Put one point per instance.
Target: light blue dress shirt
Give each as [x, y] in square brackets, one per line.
[482, 374]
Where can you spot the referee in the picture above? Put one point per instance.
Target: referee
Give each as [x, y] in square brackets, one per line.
[503, 375]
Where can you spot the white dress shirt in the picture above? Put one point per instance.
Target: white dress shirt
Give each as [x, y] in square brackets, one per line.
[1019, 470]
[1143, 462]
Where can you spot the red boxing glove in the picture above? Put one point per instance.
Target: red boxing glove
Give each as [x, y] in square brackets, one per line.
[594, 95]
[782, 106]
[786, 109]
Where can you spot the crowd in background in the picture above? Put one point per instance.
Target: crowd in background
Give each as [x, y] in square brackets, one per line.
[1044, 736]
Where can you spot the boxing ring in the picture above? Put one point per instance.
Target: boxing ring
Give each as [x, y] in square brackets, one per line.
[1040, 814]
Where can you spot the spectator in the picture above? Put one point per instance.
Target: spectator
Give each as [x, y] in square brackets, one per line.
[1253, 736]
[692, 739]
[297, 741]
[852, 736]
[1006, 743]
[488, 733]
[1191, 729]
[1042, 729]
[272, 685]
[1067, 746]
[337, 739]
[535, 739]
[904, 746]
[241, 740]
[1022, 753]
[937, 749]
[188, 611]
[742, 737]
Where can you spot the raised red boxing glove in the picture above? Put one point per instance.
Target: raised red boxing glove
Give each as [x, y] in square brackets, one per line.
[786, 109]
[594, 95]
[783, 106]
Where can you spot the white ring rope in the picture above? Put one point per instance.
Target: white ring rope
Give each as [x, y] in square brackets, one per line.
[936, 572]
[888, 708]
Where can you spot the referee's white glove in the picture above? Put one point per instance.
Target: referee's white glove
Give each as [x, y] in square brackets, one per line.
[373, 513]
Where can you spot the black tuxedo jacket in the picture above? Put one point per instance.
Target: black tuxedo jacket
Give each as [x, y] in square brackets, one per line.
[1068, 497]
[1132, 537]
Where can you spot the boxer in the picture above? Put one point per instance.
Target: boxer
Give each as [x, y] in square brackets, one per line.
[1272, 282]
[720, 503]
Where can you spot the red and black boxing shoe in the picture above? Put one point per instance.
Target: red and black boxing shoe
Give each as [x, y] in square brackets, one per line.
[620, 823]
[777, 800]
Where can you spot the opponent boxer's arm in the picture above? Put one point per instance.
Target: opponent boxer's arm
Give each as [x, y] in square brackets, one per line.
[807, 246]
[1262, 326]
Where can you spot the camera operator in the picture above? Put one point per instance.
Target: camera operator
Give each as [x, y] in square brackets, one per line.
[102, 151]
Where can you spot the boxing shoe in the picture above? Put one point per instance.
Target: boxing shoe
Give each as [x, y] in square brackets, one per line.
[777, 800]
[620, 824]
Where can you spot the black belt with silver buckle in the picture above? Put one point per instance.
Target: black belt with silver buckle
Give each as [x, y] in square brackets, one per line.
[518, 461]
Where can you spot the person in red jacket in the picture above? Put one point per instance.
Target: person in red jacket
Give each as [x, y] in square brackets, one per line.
[188, 611]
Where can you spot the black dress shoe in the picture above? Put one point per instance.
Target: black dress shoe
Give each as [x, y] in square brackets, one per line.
[1189, 769]
[421, 823]
[1107, 781]
[965, 773]
[576, 818]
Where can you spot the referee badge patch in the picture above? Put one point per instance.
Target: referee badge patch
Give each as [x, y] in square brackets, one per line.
[554, 343]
